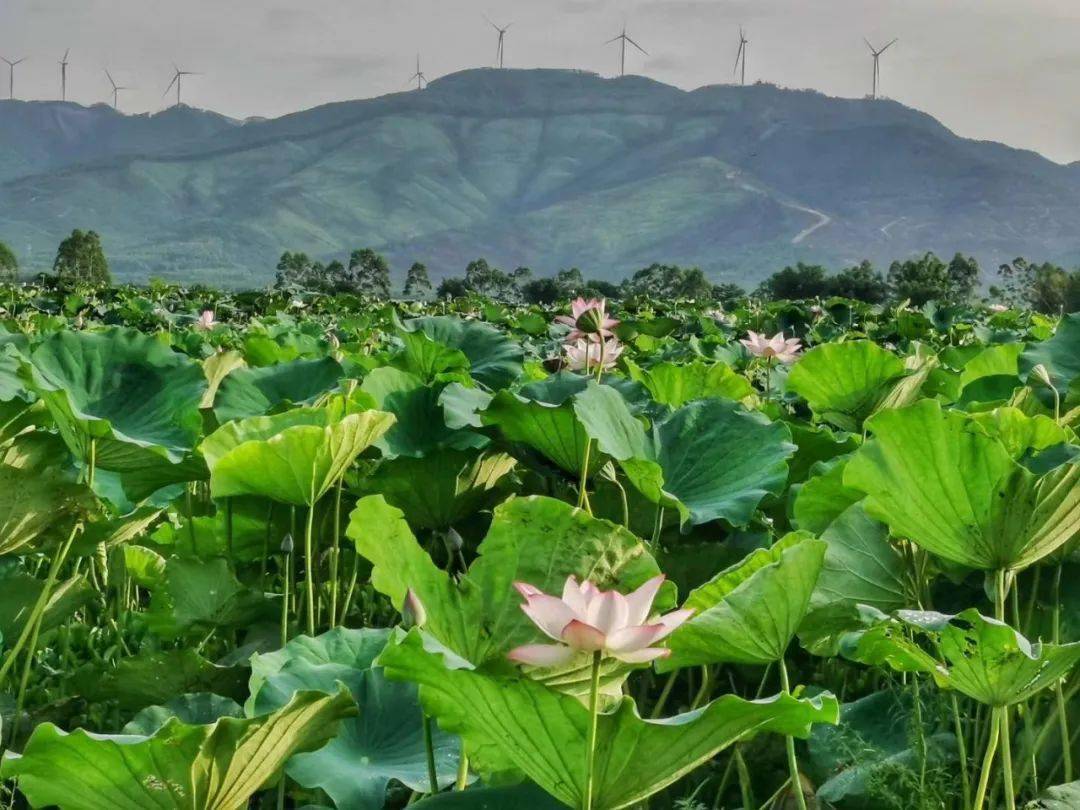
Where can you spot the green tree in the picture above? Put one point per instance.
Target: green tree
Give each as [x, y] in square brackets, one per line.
[800, 281]
[542, 291]
[1043, 287]
[669, 281]
[80, 258]
[9, 265]
[417, 282]
[727, 292]
[928, 278]
[483, 279]
[861, 282]
[963, 273]
[452, 287]
[369, 273]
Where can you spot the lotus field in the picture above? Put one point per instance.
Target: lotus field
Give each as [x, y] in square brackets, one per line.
[288, 551]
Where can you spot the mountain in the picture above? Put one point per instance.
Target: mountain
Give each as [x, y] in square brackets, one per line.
[544, 168]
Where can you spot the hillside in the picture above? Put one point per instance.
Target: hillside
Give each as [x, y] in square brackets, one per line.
[542, 168]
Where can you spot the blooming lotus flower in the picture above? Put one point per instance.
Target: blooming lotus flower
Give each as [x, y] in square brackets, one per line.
[588, 319]
[784, 350]
[206, 320]
[587, 619]
[583, 354]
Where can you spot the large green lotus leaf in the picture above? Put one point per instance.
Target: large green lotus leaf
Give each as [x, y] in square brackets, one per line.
[421, 426]
[260, 428]
[516, 723]
[1021, 434]
[1059, 797]
[11, 383]
[870, 747]
[430, 360]
[385, 742]
[823, 497]
[255, 391]
[937, 478]
[494, 359]
[989, 661]
[195, 708]
[216, 368]
[153, 677]
[1001, 360]
[211, 767]
[537, 540]
[120, 385]
[1060, 355]
[553, 431]
[359, 648]
[33, 501]
[815, 443]
[299, 464]
[200, 595]
[677, 384]
[748, 614]
[843, 382]
[442, 488]
[20, 592]
[709, 459]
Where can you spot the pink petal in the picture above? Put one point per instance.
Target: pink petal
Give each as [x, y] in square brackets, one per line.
[527, 590]
[541, 655]
[671, 621]
[583, 636]
[572, 596]
[641, 656]
[549, 613]
[640, 601]
[608, 612]
[630, 639]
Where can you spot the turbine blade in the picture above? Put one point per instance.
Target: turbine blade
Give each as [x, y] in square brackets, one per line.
[637, 46]
[170, 87]
[888, 46]
[614, 39]
[868, 45]
[111, 79]
[66, 54]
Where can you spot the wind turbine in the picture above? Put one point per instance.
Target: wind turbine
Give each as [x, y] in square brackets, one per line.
[11, 74]
[502, 37]
[116, 90]
[176, 80]
[63, 75]
[623, 39]
[741, 55]
[421, 79]
[877, 71]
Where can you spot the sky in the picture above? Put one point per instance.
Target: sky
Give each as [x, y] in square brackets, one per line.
[1003, 70]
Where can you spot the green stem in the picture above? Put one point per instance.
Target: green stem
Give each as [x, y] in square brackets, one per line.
[919, 731]
[658, 525]
[958, 729]
[335, 551]
[665, 693]
[584, 478]
[590, 744]
[463, 770]
[746, 786]
[789, 742]
[1006, 758]
[1063, 717]
[229, 526]
[285, 601]
[429, 748]
[309, 567]
[988, 760]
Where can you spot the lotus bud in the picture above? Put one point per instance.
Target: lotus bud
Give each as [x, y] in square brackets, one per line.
[413, 613]
[1044, 375]
[287, 543]
[454, 541]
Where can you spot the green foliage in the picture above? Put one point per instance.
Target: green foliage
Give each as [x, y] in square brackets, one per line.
[928, 278]
[9, 264]
[417, 283]
[80, 259]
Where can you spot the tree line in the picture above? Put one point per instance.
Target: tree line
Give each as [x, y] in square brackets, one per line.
[1045, 287]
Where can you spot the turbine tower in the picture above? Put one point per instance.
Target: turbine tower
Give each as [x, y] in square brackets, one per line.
[63, 75]
[421, 79]
[11, 74]
[622, 39]
[499, 50]
[116, 88]
[877, 71]
[176, 80]
[740, 56]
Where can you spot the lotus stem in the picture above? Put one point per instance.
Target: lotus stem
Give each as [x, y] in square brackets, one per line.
[583, 498]
[335, 551]
[1006, 758]
[229, 526]
[309, 568]
[961, 746]
[463, 769]
[789, 742]
[746, 787]
[988, 760]
[1063, 716]
[590, 743]
[429, 748]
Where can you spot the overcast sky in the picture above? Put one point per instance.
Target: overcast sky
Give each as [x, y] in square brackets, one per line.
[1006, 70]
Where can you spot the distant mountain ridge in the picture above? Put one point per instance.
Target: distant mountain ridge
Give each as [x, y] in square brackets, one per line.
[544, 168]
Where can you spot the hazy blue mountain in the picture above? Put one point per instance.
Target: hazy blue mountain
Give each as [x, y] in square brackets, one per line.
[543, 168]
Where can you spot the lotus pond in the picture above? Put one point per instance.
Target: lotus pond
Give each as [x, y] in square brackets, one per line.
[293, 551]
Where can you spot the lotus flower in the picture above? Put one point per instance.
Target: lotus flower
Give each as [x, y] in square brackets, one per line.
[583, 354]
[998, 307]
[587, 619]
[588, 319]
[784, 350]
[413, 612]
[206, 320]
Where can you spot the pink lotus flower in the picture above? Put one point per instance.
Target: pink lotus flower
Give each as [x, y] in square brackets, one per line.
[206, 320]
[998, 307]
[583, 354]
[588, 319]
[786, 351]
[587, 619]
